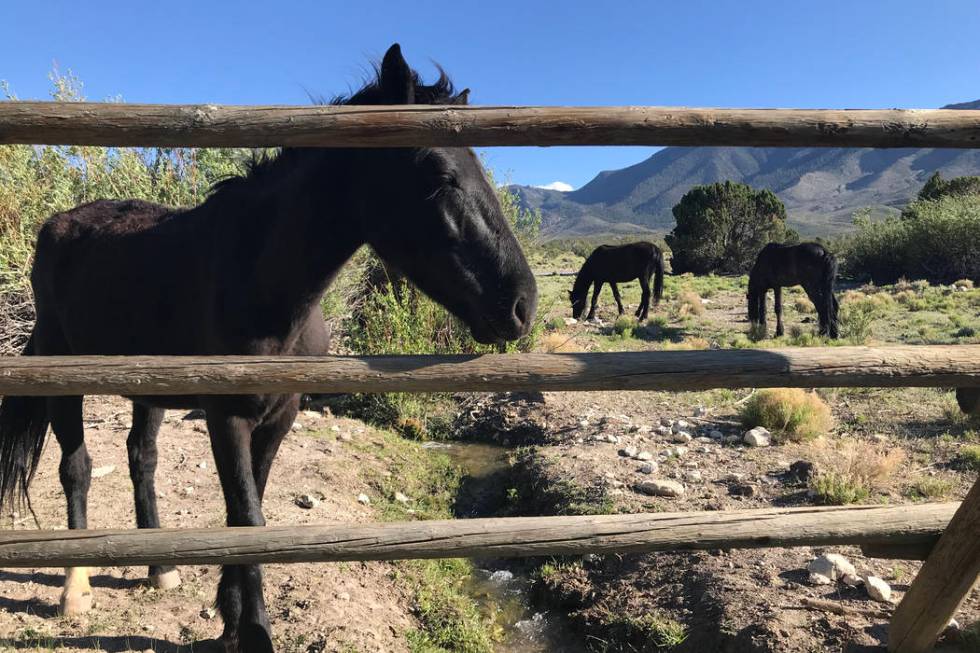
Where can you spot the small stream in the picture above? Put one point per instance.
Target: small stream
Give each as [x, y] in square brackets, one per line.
[502, 586]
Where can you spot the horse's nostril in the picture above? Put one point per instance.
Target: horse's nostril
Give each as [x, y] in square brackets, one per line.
[520, 310]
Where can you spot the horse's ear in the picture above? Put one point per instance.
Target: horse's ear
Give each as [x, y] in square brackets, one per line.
[397, 81]
[463, 97]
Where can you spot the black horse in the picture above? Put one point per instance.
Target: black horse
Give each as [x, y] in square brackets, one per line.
[243, 273]
[613, 264]
[807, 264]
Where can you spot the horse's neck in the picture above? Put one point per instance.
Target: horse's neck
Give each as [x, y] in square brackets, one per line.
[583, 279]
[304, 232]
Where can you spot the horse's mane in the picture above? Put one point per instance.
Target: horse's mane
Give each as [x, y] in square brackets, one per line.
[263, 165]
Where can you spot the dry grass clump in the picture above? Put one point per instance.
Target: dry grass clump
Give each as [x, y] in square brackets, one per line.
[789, 413]
[689, 344]
[852, 296]
[905, 297]
[16, 318]
[852, 470]
[964, 283]
[803, 304]
[688, 303]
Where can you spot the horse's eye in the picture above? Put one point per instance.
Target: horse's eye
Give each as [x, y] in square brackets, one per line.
[449, 180]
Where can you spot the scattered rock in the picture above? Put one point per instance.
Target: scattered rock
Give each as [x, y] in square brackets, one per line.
[802, 471]
[663, 430]
[819, 579]
[202, 465]
[693, 476]
[584, 423]
[401, 498]
[99, 472]
[700, 411]
[878, 589]
[741, 490]
[501, 576]
[345, 437]
[569, 321]
[335, 428]
[666, 421]
[681, 426]
[851, 580]
[364, 499]
[648, 468]
[757, 437]
[715, 434]
[679, 451]
[832, 565]
[208, 613]
[733, 477]
[644, 428]
[307, 501]
[643, 456]
[732, 439]
[297, 426]
[189, 490]
[682, 437]
[661, 488]
[628, 452]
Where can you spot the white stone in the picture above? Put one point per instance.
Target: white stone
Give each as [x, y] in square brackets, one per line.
[666, 421]
[757, 437]
[851, 580]
[644, 428]
[681, 425]
[682, 437]
[878, 589]
[335, 428]
[364, 499]
[819, 579]
[663, 430]
[99, 472]
[628, 452]
[401, 498]
[501, 576]
[307, 501]
[649, 468]
[643, 456]
[569, 321]
[297, 426]
[832, 565]
[661, 488]
[679, 451]
[692, 476]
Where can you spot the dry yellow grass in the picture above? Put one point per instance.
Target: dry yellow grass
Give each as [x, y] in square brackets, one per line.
[789, 413]
[850, 470]
[964, 283]
[804, 305]
[688, 303]
[692, 343]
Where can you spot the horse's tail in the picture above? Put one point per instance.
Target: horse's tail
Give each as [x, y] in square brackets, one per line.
[23, 425]
[658, 278]
[829, 280]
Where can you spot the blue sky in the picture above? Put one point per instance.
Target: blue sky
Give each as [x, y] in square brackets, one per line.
[859, 53]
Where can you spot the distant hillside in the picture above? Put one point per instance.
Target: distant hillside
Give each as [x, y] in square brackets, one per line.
[821, 187]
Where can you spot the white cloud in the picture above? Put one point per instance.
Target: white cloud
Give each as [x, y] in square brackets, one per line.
[557, 185]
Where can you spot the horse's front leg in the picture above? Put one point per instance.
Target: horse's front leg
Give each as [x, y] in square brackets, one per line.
[267, 438]
[142, 448]
[595, 300]
[777, 307]
[240, 599]
[619, 300]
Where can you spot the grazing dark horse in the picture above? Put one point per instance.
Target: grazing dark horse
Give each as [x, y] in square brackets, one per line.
[613, 264]
[808, 265]
[243, 273]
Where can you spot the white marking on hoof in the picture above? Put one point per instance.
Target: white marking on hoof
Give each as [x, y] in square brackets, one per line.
[76, 597]
[168, 580]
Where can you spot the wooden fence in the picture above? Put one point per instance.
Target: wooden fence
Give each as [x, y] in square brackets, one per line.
[952, 553]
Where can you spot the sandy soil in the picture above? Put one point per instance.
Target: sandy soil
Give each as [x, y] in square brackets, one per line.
[313, 607]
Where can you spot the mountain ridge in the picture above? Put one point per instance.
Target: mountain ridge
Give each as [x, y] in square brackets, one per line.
[821, 187]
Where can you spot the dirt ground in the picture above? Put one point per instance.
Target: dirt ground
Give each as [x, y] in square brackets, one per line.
[313, 607]
[748, 600]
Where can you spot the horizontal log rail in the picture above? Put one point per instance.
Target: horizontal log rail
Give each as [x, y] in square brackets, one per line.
[904, 366]
[206, 125]
[476, 538]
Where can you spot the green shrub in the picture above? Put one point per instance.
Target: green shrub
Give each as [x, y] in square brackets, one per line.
[836, 489]
[624, 327]
[929, 487]
[855, 320]
[934, 240]
[969, 457]
[789, 413]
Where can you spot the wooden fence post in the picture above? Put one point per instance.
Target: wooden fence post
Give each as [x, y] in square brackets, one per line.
[946, 578]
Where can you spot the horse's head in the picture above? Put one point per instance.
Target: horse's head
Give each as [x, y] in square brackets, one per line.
[433, 214]
[578, 301]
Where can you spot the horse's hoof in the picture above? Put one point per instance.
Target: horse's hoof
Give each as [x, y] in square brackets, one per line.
[73, 604]
[168, 580]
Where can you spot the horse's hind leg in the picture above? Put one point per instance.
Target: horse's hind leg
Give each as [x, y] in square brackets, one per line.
[777, 307]
[644, 309]
[75, 472]
[142, 447]
[619, 300]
